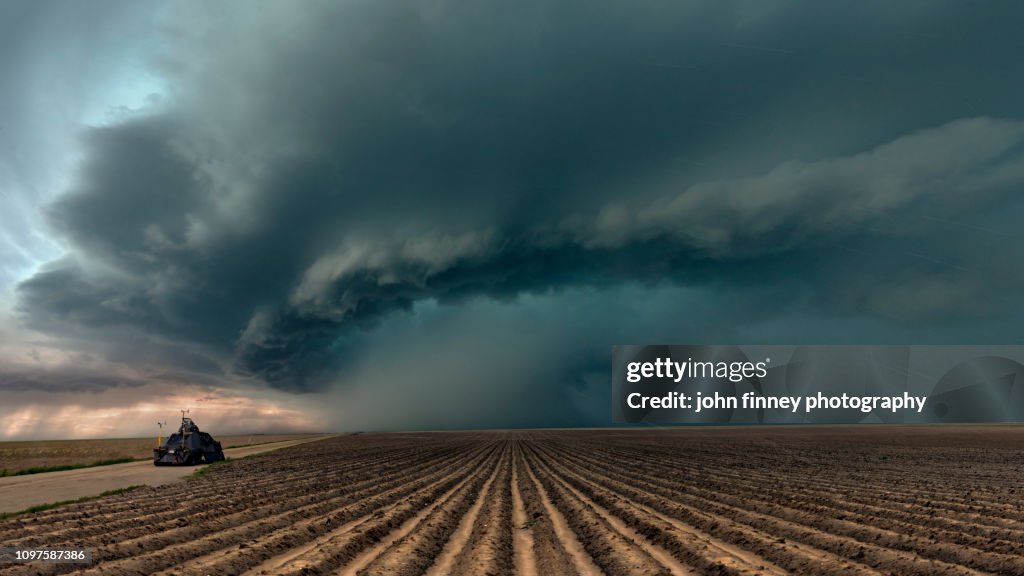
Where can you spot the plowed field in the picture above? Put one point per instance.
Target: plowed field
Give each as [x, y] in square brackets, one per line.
[854, 500]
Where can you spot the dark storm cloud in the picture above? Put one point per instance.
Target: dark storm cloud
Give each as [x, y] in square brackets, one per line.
[61, 63]
[321, 169]
[63, 381]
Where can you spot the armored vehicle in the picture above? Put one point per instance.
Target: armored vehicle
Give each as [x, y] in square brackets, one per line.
[186, 447]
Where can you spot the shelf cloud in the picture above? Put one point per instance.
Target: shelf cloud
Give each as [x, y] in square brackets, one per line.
[311, 187]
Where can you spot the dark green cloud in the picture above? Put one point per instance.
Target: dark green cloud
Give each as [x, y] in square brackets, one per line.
[322, 171]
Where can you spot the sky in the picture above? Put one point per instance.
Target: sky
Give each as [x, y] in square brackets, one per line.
[388, 215]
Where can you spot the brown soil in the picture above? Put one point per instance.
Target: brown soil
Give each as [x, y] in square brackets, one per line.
[842, 500]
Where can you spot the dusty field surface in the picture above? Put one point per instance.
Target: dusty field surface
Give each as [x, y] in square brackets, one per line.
[21, 455]
[856, 500]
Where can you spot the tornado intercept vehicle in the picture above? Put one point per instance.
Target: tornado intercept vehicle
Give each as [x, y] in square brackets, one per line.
[188, 446]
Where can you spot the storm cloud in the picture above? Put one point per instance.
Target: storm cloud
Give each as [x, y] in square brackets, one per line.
[321, 182]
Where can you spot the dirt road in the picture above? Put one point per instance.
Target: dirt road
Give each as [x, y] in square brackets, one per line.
[21, 492]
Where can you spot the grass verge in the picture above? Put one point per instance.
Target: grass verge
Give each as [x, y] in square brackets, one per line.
[209, 467]
[60, 467]
[41, 507]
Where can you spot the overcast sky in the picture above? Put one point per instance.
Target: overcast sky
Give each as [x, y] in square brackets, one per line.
[383, 214]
